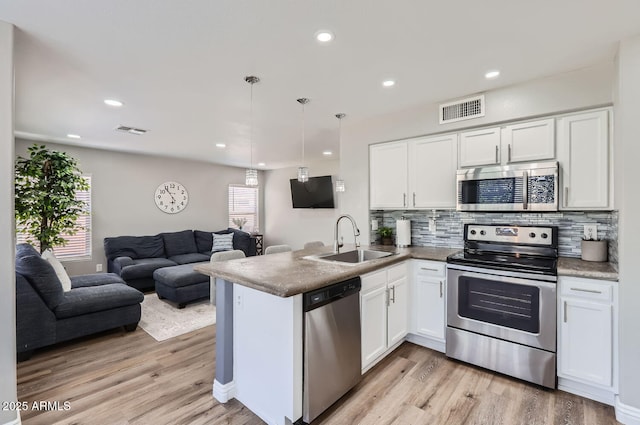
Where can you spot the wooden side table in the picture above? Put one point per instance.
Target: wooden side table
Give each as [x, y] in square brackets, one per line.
[259, 243]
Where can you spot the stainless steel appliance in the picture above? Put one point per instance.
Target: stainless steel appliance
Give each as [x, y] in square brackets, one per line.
[332, 361]
[523, 187]
[501, 301]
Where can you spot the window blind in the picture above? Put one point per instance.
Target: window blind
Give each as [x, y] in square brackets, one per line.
[243, 205]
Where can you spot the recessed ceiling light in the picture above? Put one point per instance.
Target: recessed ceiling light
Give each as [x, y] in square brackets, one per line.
[324, 36]
[220, 145]
[73, 136]
[113, 102]
[389, 83]
[491, 74]
[327, 153]
[261, 164]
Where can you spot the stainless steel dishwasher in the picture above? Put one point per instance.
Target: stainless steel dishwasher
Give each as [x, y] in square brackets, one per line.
[332, 364]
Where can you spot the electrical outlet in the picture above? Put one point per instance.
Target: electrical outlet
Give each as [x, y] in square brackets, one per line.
[374, 224]
[591, 231]
[432, 225]
[99, 267]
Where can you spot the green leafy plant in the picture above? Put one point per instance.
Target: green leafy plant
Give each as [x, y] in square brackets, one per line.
[385, 232]
[46, 207]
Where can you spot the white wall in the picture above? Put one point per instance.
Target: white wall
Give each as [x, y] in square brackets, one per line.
[574, 90]
[123, 185]
[7, 245]
[294, 227]
[626, 156]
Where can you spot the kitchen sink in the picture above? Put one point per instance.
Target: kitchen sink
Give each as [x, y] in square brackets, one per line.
[352, 257]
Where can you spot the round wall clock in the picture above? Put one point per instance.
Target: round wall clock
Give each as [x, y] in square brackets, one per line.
[171, 197]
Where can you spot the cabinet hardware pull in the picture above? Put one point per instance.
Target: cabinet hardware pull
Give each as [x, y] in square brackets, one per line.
[428, 269]
[566, 196]
[525, 190]
[414, 199]
[393, 291]
[509, 152]
[386, 292]
[592, 291]
[404, 199]
[497, 159]
[440, 289]
[565, 312]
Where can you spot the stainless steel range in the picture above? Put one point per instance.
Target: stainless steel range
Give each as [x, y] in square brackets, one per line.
[501, 301]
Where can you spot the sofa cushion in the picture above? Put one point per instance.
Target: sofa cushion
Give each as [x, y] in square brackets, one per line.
[95, 279]
[59, 269]
[179, 276]
[204, 241]
[40, 274]
[178, 243]
[241, 240]
[222, 242]
[144, 267]
[134, 247]
[190, 258]
[86, 300]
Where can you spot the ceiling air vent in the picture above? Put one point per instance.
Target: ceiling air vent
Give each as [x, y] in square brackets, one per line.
[131, 130]
[471, 107]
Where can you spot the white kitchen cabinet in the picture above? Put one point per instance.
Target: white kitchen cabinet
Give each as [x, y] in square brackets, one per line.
[432, 171]
[583, 153]
[587, 329]
[428, 304]
[480, 147]
[384, 299]
[388, 175]
[529, 141]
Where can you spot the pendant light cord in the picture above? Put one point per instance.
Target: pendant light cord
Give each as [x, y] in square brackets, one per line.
[303, 124]
[251, 129]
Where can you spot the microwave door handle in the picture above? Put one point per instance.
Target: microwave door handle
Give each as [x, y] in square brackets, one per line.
[525, 190]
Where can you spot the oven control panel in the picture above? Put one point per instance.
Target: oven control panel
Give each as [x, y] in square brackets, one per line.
[510, 234]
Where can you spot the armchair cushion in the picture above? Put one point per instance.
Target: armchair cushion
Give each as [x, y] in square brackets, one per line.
[86, 300]
[40, 274]
[87, 280]
[178, 243]
[134, 247]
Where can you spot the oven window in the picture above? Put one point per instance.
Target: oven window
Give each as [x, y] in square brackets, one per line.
[491, 191]
[505, 304]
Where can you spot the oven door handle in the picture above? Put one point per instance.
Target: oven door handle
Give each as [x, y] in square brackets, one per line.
[525, 190]
[533, 280]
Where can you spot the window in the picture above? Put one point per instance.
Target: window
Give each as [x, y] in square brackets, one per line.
[78, 246]
[243, 205]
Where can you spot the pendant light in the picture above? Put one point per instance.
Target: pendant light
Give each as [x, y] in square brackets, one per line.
[303, 172]
[339, 182]
[251, 178]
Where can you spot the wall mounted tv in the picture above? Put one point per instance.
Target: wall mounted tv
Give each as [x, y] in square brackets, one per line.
[315, 193]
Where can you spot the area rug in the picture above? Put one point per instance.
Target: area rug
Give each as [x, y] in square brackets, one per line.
[163, 320]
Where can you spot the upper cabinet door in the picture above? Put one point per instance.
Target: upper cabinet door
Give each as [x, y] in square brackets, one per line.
[583, 153]
[480, 147]
[432, 171]
[388, 175]
[529, 141]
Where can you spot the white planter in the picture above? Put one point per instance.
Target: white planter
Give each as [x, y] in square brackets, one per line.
[594, 250]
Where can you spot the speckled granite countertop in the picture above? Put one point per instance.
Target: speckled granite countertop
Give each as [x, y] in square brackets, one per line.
[587, 269]
[289, 273]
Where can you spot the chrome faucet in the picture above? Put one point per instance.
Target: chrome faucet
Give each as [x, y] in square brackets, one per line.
[356, 232]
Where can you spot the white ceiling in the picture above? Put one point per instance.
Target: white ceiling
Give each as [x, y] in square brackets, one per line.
[179, 66]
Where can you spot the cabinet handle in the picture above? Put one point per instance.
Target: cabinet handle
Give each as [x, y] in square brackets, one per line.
[428, 269]
[566, 196]
[414, 199]
[497, 159]
[386, 292]
[591, 291]
[404, 199]
[565, 312]
[440, 289]
[509, 153]
[525, 190]
[393, 291]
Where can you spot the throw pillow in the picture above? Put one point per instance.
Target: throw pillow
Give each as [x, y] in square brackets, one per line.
[59, 269]
[222, 242]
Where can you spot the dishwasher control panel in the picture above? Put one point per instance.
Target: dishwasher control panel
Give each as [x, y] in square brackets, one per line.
[322, 296]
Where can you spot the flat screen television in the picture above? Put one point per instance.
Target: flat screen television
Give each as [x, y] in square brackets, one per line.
[315, 193]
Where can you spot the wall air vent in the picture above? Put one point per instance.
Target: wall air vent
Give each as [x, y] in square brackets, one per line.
[131, 130]
[464, 109]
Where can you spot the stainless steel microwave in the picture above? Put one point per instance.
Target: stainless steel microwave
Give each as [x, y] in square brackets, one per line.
[522, 187]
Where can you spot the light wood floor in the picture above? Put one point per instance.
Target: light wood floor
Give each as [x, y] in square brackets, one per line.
[129, 378]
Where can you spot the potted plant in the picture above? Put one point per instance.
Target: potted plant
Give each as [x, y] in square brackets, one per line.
[239, 222]
[386, 235]
[46, 207]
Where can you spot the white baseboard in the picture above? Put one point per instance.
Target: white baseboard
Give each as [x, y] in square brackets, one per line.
[224, 392]
[606, 396]
[625, 414]
[16, 421]
[423, 341]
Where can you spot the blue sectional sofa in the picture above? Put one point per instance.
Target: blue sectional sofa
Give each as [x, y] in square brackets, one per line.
[46, 315]
[135, 258]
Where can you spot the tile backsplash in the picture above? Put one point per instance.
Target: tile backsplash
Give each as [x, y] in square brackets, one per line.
[450, 226]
